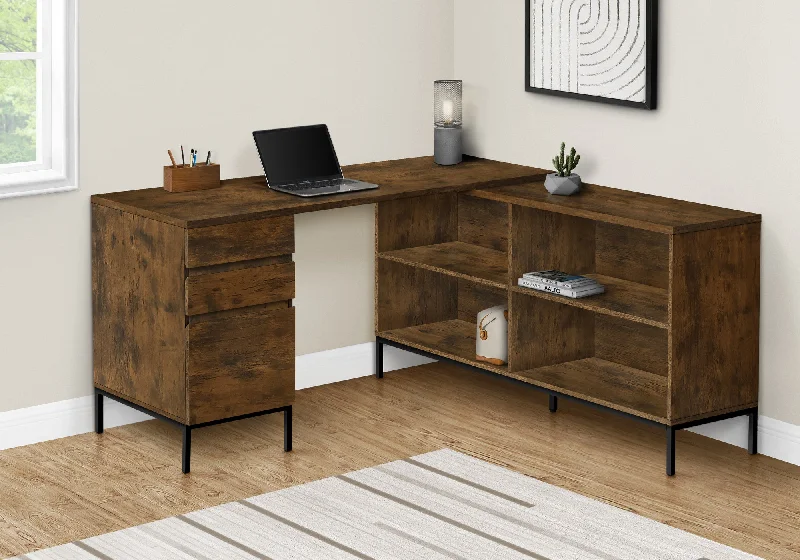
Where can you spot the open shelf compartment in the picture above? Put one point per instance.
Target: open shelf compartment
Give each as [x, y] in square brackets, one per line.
[432, 311]
[454, 234]
[453, 339]
[459, 259]
[632, 264]
[599, 358]
[605, 383]
[622, 298]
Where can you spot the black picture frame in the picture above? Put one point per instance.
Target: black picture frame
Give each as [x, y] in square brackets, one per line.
[651, 65]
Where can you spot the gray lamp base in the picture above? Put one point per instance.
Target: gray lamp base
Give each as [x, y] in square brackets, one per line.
[447, 148]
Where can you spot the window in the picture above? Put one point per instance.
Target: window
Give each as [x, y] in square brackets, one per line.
[38, 101]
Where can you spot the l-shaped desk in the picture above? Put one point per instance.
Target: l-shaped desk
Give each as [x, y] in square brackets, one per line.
[192, 293]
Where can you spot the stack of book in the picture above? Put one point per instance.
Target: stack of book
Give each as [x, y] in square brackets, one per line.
[561, 283]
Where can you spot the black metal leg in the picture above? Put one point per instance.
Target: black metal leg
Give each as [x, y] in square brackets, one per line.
[98, 413]
[378, 359]
[670, 451]
[287, 429]
[752, 435]
[187, 449]
[553, 403]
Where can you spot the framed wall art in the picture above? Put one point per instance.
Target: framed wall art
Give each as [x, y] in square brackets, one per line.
[599, 50]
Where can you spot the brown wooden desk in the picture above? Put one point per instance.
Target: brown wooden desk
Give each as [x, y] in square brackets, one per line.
[193, 317]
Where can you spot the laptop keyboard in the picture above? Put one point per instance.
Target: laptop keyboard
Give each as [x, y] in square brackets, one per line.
[296, 187]
[317, 184]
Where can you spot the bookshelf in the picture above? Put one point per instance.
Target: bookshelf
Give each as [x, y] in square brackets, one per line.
[673, 341]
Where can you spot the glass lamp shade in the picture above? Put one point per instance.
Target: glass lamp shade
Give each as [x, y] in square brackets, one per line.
[447, 103]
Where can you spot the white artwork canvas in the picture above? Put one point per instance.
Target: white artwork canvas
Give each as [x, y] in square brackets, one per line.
[603, 50]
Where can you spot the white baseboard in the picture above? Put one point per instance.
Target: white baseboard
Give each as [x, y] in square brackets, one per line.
[61, 419]
[76, 416]
[349, 362]
[776, 439]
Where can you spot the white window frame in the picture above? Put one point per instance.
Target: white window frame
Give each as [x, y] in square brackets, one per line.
[56, 165]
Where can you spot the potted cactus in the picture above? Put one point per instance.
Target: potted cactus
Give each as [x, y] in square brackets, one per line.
[564, 182]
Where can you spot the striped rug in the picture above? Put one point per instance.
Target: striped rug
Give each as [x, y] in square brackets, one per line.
[441, 505]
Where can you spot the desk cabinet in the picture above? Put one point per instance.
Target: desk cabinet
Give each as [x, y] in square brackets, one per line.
[192, 292]
[194, 325]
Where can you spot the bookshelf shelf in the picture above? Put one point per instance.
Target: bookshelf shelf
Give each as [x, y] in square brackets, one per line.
[624, 299]
[459, 259]
[609, 384]
[454, 339]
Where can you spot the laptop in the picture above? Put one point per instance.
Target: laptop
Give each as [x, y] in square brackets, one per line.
[301, 161]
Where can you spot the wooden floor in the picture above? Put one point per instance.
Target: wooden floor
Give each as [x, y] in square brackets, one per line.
[58, 491]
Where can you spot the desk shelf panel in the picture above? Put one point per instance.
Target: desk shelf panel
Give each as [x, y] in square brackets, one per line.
[458, 259]
[623, 299]
[605, 383]
[613, 385]
[453, 339]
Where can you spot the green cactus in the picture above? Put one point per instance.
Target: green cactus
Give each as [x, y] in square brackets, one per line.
[565, 165]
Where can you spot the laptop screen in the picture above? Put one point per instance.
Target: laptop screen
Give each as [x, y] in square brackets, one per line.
[290, 155]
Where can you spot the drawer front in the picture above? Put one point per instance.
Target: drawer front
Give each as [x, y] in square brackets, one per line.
[242, 241]
[242, 287]
[240, 364]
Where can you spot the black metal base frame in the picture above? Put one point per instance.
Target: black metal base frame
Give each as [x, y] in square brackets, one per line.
[187, 429]
[752, 413]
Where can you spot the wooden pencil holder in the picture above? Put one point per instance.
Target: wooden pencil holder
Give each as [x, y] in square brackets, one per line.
[185, 178]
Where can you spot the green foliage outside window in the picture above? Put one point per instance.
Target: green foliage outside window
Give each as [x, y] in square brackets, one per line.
[17, 82]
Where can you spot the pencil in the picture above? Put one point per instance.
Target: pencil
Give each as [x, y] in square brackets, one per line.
[172, 158]
[183, 158]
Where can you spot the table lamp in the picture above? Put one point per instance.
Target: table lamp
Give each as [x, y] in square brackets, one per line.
[447, 122]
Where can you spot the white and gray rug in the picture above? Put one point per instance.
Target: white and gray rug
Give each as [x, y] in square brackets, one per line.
[441, 505]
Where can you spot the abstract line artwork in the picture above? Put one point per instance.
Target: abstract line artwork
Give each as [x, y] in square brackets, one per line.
[604, 50]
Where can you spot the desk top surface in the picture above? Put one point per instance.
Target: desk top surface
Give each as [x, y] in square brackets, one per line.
[249, 198]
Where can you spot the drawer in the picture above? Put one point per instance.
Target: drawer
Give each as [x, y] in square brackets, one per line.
[237, 288]
[241, 241]
[239, 364]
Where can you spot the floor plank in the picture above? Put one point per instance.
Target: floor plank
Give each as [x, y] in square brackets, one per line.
[58, 491]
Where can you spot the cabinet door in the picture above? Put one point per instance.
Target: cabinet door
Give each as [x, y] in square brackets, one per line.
[239, 364]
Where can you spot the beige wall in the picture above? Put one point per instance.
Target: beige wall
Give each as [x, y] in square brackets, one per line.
[725, 133]
[156, 74]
